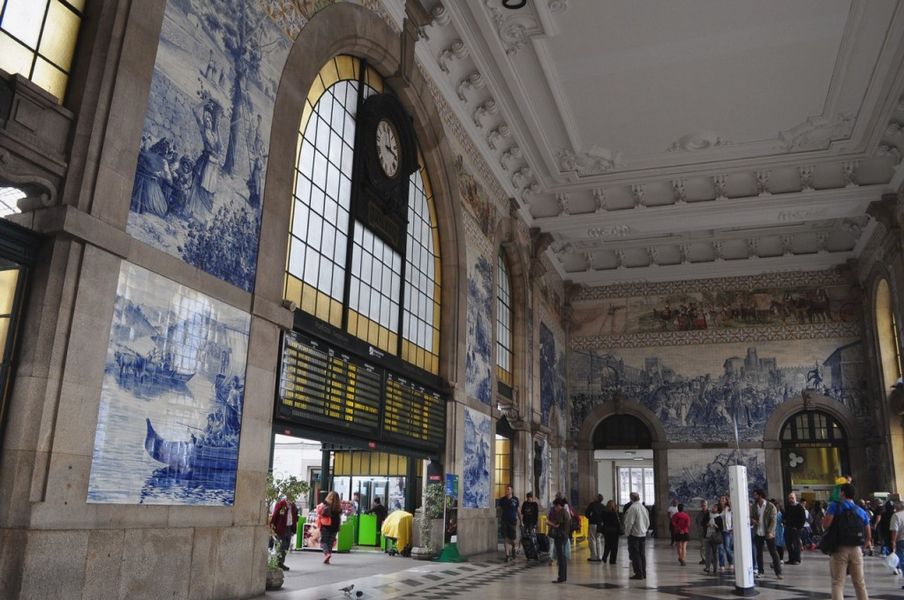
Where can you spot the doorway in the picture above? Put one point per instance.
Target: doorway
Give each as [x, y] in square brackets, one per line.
[623, 455]
[814, 454]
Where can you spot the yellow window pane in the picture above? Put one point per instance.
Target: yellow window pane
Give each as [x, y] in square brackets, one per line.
[347, 66]
[335, 313]
[374, 80]
[308, 299]
[50, 78]
[8, 280]
[305, 115]
[14, 57]
[329, 74]
[23, 18]
[4, 329]
[316, 90]
[60, 32]
[293, 289]
[78, 4]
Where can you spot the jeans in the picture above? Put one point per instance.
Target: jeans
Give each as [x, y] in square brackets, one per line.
[712, 552]
[284, 543]
[726, 550]
[327, 537]
[595, 541]
[611, 551]
[770, 543]
[792, 543]
[559, 544]
[638, 555]
[899, 550]
[847, 558]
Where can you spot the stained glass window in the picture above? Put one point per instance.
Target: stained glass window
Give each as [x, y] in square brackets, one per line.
[37, 40]
[503, 323]
[321, 262]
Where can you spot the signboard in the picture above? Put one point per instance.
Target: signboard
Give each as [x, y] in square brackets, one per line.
[450, 512]
[324, 387]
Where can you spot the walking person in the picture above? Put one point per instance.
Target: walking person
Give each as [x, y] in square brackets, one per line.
[681, 524]
[714, 529]
[795, 517]
[780, 535]
[611, 528]
[762, 516]
[637, 522]
[283, 523]
[672, 510]
[726, 550]
[853, 531]
[329, 517]
[701, 520]
[896, 533]
[510, 518]
[559, 522]
[594, 514]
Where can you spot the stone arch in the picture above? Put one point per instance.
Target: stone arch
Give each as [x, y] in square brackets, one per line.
[588, 483]
[811, 401]
[346, 28]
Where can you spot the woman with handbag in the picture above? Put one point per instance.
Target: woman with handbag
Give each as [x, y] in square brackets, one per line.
[611, 529]
[329, 517]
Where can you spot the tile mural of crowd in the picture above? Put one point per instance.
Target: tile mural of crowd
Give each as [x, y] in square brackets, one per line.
[170, 412]
[703, 474]
[478, 373]
[684, 311]
[200, 176]
[478, 439]
[699, 391]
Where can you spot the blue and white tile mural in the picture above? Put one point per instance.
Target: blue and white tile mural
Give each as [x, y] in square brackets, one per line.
[170, 411]
[552, 373]
[476, 471]
[200, 176]
[703, 474]
[699, 391]
[478, 379]
[545, 497]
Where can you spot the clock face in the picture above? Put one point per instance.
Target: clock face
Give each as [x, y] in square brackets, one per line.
[388, 150]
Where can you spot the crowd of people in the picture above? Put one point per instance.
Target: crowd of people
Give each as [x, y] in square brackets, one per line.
[845, 528]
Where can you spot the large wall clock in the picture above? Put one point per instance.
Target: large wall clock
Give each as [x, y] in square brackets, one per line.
[387, 159]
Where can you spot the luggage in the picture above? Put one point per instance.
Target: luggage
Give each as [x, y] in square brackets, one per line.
[542, 543]
[529, 543]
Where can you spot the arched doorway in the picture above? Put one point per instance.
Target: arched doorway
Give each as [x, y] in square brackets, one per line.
[623, 456]
[814, 454]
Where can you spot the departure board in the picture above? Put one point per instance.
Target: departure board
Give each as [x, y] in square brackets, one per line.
[323, 385]
[325, 388]
[413, 414]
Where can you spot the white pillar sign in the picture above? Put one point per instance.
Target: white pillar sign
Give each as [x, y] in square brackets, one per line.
[743, 544]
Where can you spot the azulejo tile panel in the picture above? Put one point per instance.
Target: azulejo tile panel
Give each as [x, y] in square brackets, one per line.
[200, 175]
[476, 468]
[552, 373]
[698, 392]
[478, 372]
[170, 414]
[703, 474]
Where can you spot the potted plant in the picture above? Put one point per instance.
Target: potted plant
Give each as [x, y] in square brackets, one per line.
[430, 511]
[276, 489]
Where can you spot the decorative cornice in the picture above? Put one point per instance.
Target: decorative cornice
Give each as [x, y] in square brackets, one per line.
[718, 336]
[595, 161]
[831, 277]
[701, 140]
[817, 132]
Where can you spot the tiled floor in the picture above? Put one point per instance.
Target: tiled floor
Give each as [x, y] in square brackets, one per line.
[382, 578]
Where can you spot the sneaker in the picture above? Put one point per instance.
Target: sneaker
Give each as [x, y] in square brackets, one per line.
[284, 567]
[779, 576]
[706, 571]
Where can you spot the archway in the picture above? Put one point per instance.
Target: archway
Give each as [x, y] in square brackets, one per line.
[623, 456]
[814, 454]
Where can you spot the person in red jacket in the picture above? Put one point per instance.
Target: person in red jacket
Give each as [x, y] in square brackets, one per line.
[283, 523]
[681, 523]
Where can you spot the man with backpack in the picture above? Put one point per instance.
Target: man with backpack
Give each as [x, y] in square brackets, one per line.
[850, 524]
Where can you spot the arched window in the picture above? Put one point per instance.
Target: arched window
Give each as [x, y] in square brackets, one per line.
[503, 327]
[814, 452]
[887, 334]
[37, 40]
[337, 269]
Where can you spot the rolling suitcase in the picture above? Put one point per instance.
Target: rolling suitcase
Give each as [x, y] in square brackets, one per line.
[529, 543]
[542, 543]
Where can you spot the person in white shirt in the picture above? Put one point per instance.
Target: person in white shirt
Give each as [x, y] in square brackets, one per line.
[726, 550]
[672, 510]
[896, 529]
[637, 522]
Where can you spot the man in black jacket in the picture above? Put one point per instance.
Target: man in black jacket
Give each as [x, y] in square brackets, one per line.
[795, 516]
[594, 514]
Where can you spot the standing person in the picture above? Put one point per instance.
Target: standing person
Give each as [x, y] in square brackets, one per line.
[329, 517]
[510, 517]
[896, 533]
[762, 517]
[681, 525]
[726, 550]
[559, 523]
[594, 514]
[530, 512]
[379, 510]
[611, 527]
[672, 510]
[701, 520]
[637, 522]
[283, 522]
[780, 535]
[853, 531]
[714, 529]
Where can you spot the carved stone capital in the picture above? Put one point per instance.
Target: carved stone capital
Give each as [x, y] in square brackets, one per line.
[885, 211]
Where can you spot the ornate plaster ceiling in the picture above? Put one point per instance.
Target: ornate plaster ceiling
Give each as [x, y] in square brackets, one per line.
[677, 139]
